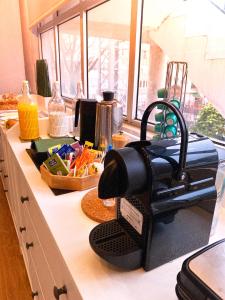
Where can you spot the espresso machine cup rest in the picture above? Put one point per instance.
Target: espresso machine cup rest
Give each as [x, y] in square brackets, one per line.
[165, 197]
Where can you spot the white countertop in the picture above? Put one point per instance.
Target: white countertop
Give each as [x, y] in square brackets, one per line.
[94, 278]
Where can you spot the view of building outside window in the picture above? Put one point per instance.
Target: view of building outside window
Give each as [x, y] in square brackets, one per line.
[108, 50]
[70, 61]
[200, 114]
[48, 53]
[152, 69]
[143, 85]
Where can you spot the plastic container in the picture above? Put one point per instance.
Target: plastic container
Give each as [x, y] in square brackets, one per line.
[171, 119]
[159, 117]
[28, 115]
[162, 93]
[170, 131]
[158, 127]
[119, 140]
[175, 102]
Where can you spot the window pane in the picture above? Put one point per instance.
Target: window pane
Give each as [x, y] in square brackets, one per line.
[69, 48]
[108, 49]
[153, 61]
[48, 52]
[201, 115]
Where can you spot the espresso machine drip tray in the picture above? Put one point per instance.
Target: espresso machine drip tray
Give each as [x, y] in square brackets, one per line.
[112, 242]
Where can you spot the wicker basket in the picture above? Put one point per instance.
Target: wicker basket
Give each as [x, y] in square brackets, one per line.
[67, 182]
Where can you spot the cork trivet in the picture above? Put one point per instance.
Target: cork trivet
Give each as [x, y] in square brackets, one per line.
[94, 208]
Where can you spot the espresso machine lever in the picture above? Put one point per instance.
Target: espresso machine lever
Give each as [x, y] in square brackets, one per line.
[183, 129]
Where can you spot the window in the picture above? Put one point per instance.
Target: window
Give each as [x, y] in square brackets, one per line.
[219, 3]
[105, 55]
[201, 115]
[48, 53]
[69, 49]
[108, 49]
[153, 61]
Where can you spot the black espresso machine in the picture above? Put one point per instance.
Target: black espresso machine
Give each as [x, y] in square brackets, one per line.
[165, 197]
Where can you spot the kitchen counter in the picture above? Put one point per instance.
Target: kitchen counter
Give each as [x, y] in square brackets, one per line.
[70, 228]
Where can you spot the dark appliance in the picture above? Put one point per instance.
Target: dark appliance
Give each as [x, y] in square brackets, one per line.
[202, 274]
[86, 109]
[165, 193]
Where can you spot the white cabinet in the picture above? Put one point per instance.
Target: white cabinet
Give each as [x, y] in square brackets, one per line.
[3, 161]
[47, 272]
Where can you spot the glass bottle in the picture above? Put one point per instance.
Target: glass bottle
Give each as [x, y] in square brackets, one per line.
[79, 95]
[58, 121]
[28, 114]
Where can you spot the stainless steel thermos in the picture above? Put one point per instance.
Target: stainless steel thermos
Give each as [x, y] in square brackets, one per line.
[109, 119]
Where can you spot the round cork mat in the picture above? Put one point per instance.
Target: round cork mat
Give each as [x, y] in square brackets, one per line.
[94, 208]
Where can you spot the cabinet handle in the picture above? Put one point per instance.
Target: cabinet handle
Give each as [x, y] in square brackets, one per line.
[34, 294]
[1, 160]
[6, 176]
[23, 199]
[59, 291]
[28, 245]
[22, 229]
[6, 191]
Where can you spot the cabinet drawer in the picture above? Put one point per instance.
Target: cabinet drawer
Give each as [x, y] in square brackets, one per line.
[34, 282]
[36, 254]
[45, 251]
[58, 268]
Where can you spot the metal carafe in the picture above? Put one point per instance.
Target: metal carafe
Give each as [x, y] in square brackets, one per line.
[109, 119]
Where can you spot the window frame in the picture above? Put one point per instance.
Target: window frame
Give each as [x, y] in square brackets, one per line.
[81, 9]
[41, 48]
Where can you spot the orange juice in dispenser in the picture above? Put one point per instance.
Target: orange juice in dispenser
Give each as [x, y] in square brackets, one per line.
[28, 114]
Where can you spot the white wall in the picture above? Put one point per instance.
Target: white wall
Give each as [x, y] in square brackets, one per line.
[11, 48]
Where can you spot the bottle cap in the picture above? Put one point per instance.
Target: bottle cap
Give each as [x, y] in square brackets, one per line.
[110, 147]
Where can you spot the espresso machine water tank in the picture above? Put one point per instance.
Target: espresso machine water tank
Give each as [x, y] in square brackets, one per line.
[165, 194]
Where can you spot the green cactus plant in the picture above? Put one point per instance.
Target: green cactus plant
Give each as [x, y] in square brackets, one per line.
[42, 78]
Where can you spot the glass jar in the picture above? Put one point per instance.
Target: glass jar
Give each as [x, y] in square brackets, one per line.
[58, 121]
[28, 114]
